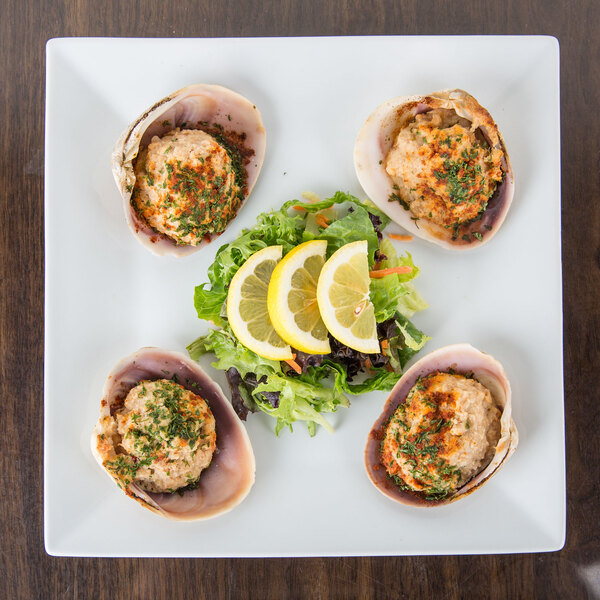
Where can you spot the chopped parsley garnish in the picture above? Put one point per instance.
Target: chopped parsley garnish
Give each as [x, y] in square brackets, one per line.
[399, 199]
[415, 452]
[195, 199]
[149, 178]
[171, 419]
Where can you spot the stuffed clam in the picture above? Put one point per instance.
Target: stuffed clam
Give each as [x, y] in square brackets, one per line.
[438, 166]
[445, 429]
[186, 165]
[170, 439]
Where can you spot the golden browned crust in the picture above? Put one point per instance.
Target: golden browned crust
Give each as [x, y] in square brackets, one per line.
[442, 435]
[375, 140]
[449, 193]
[224, 483]
[460, 358]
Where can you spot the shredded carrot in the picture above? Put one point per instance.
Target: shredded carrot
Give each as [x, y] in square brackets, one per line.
[390, 271]
[310, 197]
[400, 237]
[321, 220]
[368, 364]
[384, 344]
[292, 363]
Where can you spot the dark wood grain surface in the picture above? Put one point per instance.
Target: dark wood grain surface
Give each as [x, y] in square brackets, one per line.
[26, 570]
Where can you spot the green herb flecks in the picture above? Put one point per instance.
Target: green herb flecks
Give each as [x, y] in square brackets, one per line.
[397, 198]
[420, 440]
[149, 178]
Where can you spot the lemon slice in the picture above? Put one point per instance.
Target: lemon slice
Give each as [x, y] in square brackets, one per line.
[292, 298]
[343, 297]
[247, 306]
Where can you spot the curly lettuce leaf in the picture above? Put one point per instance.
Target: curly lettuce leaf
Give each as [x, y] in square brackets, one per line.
[339, 198]
[209, 303]
[232, 353]
[279, 227]
[271, 229]
[299, 401]
[355, 226]
[406, 344]
[395, 293]
[263, 384]
[381, 380]
[411, 302]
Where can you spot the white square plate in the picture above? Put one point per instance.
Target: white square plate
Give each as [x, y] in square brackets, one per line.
[107, 296]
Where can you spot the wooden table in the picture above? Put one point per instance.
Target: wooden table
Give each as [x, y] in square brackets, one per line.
[26, 571]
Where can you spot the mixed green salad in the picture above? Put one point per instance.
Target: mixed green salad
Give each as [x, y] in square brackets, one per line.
[325, 380]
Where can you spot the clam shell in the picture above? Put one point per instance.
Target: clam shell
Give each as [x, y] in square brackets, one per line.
[190, 105]
[463, 358]
[376, 138]
[229, 477]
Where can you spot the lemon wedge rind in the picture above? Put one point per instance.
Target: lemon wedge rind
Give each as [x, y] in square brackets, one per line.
[292, 298]
[247, 310]
[343, 298]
